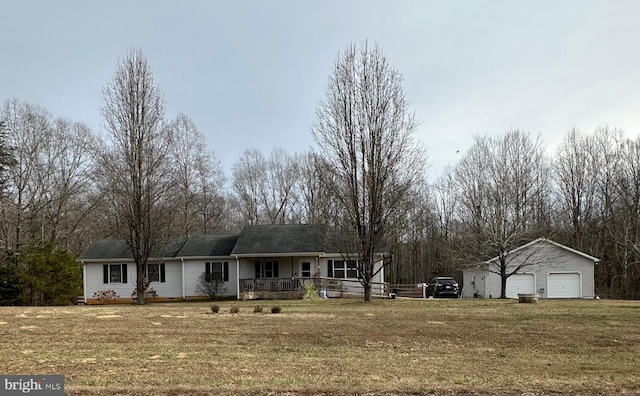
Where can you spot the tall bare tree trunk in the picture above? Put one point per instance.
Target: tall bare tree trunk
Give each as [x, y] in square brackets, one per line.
[368, 159]
[134, 162]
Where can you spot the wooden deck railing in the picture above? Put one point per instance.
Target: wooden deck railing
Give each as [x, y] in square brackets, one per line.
[334, 287]
[407, 290]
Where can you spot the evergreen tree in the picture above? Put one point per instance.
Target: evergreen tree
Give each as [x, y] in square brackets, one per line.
[50, 276]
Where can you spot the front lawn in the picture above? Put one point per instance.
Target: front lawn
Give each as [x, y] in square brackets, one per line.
[339, 346]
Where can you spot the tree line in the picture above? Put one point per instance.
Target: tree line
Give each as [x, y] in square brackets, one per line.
[148, 177]
[507, 190]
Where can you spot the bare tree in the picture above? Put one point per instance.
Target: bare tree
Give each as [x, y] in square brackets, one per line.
[575, 179]
[314, 205]
[416, 254]
[6, 157]
[370, 160]
[625, 233]
[211, 202]
[65, 173]
[444, 237]
[7, 160]
[504, 195]
[605, 153]
[265, 188]
[446, 202]
[248, 175]
[278, 191]
[29, 127]
[197, 180]
[133, 163]
[48, 183]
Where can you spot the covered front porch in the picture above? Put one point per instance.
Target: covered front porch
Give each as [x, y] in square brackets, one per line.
[283, 288]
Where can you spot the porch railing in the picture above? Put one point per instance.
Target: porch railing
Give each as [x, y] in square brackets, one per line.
[334, 287]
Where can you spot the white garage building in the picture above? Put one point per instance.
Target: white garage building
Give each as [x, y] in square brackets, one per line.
[548, 268]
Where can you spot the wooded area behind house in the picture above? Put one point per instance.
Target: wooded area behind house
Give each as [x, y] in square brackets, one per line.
[506, 190]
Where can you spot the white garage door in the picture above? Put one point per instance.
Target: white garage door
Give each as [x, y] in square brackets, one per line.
[520, 284]
[564, 285]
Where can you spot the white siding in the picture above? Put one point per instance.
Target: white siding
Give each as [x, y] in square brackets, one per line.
[172, 286]
[473, 283]
[355, 287]
[95, 281]
[542, 259]
[291, 267]
[324, 267]
[247, 269]
[288, 267]
[192, 272]
[193, 269]
[494, 285]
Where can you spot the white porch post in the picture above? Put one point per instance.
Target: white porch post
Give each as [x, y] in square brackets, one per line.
[237, 277]
[184, 286]
[84, 282]
[382, 275]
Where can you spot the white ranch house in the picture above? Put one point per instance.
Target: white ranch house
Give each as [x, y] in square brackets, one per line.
[270, 261]
[550, 270]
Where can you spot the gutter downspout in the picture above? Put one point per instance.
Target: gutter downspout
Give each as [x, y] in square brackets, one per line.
[184, 293]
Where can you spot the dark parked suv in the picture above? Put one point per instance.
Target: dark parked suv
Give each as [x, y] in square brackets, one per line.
[443, 286]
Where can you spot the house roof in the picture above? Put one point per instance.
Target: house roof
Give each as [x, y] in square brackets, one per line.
[281, 239]
[549, 241]
[107, 249]
[209, 245]
[114, 249]
[253, 241]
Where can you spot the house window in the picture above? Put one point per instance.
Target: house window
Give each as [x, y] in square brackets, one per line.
[216, 271]
[114, 273]
[154, 272]
[306, 270]
[343, 269]
[266, 269]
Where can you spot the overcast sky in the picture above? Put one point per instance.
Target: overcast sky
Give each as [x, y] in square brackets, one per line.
[250, 73]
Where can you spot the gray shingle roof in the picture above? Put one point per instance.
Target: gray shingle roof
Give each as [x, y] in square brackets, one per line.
[108, 249]
[281, 239]
[209, 245]
[253, 240]
[113, 249]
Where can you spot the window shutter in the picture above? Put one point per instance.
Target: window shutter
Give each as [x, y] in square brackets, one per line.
[105, 273]
[225, 271]
[207, 269]
[124, 273]
[275, 269]
[163, 277]
[330, 268]
[257, 269]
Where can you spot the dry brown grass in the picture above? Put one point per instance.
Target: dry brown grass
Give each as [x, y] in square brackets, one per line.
[330, 347]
